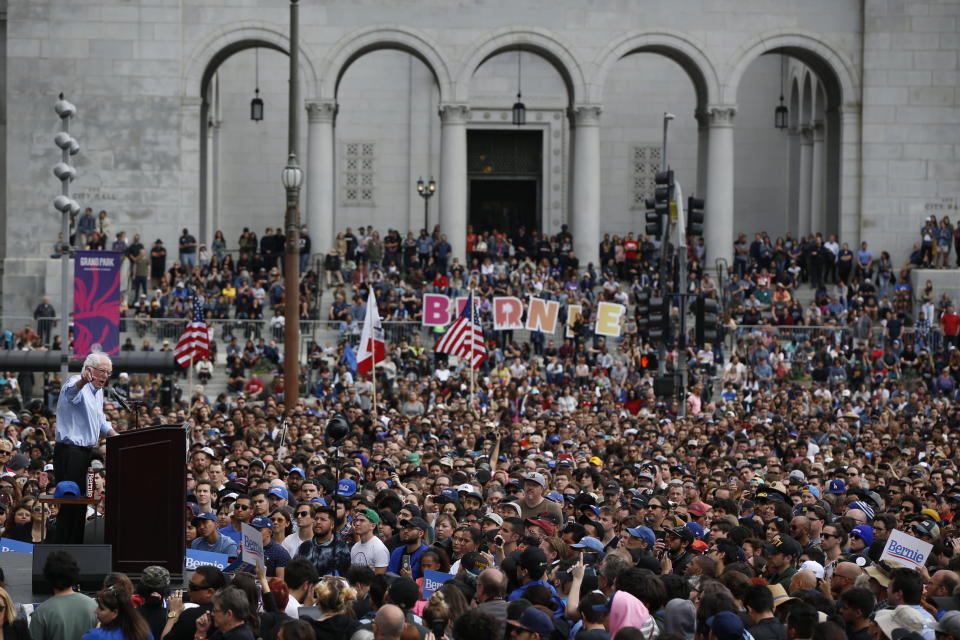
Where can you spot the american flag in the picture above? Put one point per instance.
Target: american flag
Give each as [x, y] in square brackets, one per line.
[464, 337]
[194, 343]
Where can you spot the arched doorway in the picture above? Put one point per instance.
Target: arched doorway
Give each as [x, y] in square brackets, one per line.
[824, 102]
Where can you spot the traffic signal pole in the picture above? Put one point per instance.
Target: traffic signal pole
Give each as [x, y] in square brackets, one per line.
[682, 290]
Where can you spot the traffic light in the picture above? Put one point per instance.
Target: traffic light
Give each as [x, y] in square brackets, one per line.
[658, 325]
[658, 207]
[694, 216]
[707, 320]
[642, 312]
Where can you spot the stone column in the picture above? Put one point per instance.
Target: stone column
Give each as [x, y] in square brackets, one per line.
[718, 219]
[585, 204]
[806, 175]
[191, 144]
[817, 216]
[793, 180]
[453, 177]
[851, 174]
[320, 175]
[703, 150]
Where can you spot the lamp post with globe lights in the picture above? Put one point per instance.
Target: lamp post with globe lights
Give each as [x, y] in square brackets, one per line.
[67, 206]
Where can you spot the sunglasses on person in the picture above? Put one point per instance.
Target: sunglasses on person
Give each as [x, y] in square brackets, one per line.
[303, 514]
[241, 507]
[197, 587]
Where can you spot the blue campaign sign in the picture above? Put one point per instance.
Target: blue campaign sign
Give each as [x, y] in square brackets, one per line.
[7, 545]
[197, 558]
[432, 581]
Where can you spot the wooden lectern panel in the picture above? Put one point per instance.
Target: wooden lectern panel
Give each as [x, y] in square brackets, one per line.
[146, 492]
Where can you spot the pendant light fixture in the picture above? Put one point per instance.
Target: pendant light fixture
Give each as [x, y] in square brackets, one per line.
[256, 105]
[519, 110]
[781, 113]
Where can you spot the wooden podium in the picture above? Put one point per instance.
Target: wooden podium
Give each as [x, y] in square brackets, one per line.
[145, 496]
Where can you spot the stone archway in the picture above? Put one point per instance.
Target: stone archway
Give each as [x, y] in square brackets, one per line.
[200, 67]
[358, 43]
[836, 74]
[535, 40]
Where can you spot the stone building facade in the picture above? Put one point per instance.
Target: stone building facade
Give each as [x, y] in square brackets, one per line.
[391, 91]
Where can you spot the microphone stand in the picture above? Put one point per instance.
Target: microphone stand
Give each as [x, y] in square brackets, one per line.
[126, 407]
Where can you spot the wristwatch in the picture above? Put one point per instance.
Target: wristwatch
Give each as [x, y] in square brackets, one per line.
[173, 615]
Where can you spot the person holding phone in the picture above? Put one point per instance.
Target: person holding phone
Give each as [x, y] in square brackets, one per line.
[80, 423]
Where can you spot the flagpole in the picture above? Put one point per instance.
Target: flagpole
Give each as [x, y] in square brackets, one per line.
[190, 365]
[473, 373]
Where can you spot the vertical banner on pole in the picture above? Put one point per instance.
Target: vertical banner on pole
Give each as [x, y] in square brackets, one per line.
[96, 302]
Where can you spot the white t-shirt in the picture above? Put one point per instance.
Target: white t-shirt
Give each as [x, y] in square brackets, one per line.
[372, 553]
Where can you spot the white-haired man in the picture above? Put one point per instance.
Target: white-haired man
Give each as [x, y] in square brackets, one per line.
[80, 423]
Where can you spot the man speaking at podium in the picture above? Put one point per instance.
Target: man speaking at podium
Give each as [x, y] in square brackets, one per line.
[80, 423]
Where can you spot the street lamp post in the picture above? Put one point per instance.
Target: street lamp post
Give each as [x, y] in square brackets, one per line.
[292, 178]
[66, 205]
[426, 191]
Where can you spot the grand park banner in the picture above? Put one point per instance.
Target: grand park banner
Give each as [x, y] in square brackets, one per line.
[96, 302]
[508, 314]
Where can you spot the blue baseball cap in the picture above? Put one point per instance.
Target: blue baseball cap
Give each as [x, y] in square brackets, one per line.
[588, 542]
[864, 532]
[346, 488]
[532, 619]
[204, 515]
[298, 471]
[69, 489]
[592, 508]
[319, 500]
[449, 494]
[726, 625]
[838, 487]
[813, 490]
[261, 522]
[555, 496]
[644, 533]
[696, 529]
[278, 492]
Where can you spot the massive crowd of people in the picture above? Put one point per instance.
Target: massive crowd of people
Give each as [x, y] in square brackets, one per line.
[562, 497]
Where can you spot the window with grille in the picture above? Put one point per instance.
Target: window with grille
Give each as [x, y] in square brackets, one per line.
[358, 173]
[645, 159]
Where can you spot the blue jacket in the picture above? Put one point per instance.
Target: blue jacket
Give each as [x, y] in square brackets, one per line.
[397, 555]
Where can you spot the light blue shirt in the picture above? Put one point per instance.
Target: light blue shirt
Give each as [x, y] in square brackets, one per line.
[223, 545]
[80, 418]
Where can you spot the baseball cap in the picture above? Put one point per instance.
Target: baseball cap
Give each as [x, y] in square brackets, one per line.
[540, 522]
[279, 492]
[494, 518]
[535, 477]
[69, 489]
[681, 532]
[696, 529]
[370, 515]
[926, 527]
[698, 508]
[785, 545]
[261, 522]
[643, 533]
[588, 542]
[726, 625]
[864, 532]
[837, 487]
[207, 515]
[532, 558]
[813, 567]
[416, 522]
[346, 488]
[534, 620]
[447, 495]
